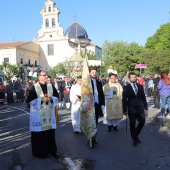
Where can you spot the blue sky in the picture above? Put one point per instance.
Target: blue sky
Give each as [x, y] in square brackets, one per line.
[112, 20]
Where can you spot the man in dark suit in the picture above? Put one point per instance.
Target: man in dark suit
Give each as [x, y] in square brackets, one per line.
[98, 96]
[135, 105]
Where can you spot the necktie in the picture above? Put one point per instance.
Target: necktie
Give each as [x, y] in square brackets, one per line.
[135, 88]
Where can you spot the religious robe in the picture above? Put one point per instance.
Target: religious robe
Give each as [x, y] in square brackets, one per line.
[88, 121]
[42, 119]
[113, 103]
[75, 107]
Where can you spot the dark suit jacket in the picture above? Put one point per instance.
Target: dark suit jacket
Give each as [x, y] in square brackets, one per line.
[100, 92]
[134, 103]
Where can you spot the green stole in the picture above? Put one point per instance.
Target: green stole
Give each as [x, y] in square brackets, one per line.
[45, 110]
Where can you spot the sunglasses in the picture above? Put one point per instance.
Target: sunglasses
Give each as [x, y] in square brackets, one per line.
[43, 75]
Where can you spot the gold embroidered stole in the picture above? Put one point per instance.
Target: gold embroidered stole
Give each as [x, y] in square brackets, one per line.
[113, 105]
[45, 110]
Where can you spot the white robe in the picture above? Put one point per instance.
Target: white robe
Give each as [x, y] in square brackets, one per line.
[35, 115]
[75, 107]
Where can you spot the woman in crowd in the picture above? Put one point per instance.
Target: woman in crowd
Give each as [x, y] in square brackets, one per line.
[164, 90]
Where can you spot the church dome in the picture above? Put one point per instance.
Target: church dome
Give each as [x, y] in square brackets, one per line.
[75, 31]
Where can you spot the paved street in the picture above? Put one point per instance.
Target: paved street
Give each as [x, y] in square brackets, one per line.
[113, 152]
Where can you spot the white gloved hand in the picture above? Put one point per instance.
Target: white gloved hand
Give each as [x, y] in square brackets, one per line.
[102, 107]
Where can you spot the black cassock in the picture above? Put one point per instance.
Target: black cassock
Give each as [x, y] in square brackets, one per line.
[42, 142]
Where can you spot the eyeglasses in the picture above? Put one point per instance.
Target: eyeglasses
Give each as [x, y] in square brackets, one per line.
[44, 75]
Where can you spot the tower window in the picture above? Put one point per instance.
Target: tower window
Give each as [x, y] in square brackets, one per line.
[53, 22]
[35, 62]
[21, 60]
[49, 9]
[47, 22]
[50, 49]
[29, 61]
[6, 60]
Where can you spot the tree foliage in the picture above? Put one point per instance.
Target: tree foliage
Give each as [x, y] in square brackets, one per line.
[9, 70]
[160, 41]
[122, 55]
[157, 52]
[156, 61]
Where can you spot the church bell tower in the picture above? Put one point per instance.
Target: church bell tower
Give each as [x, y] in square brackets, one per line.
[50, 17]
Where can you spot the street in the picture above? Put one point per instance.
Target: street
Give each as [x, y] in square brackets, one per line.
[113, 152]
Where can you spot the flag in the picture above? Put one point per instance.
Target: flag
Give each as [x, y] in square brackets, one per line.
[88, 122]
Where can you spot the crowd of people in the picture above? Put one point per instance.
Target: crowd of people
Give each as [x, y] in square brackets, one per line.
[113, 97]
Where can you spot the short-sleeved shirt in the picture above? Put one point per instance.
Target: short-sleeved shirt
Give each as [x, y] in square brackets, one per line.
[141, 82]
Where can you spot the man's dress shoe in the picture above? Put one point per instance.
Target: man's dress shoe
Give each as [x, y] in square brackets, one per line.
[95, 141]
[135, 143]
[55, 155]
[138, 140]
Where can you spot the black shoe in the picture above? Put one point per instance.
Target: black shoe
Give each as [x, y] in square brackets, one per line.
[115, 128]
[76, 132]
[135, 143]
[154, 107]
[95, 141]
[55, 155]
[109, 128]
[138, 140]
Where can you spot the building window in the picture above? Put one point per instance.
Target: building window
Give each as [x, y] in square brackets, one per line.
[29, 62]
[6, 60]
[47, 22]
[21, 60]
[49, 9]
[35, 62]
[50, 49]
[53, 22]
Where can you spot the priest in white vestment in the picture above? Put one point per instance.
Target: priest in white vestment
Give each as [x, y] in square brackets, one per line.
[113, 102]
[75, 98]
[43, 98]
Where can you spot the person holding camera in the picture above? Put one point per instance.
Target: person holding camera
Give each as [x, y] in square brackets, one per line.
[75, 98]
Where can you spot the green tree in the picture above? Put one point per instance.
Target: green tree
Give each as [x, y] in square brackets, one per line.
[9, 70]
[157, 52]
[160, 41]
[91, 55]
[122, 55]
[156, 61]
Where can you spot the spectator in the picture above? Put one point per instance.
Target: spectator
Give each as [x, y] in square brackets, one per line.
[164, 90]
[9, 91]
[156, 96]
[150, 85]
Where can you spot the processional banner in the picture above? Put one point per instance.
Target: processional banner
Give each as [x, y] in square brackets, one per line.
[88, 122]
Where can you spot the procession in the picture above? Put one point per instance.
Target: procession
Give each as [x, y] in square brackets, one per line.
[72, 99]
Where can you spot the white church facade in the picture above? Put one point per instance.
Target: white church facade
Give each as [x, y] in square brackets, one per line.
[53, 45]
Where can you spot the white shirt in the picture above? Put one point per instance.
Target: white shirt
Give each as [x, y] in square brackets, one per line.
[56, 86]
[132, 84]
[96, 97]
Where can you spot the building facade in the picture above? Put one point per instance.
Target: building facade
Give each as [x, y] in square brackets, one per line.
[52, 45]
